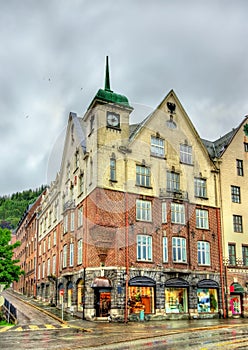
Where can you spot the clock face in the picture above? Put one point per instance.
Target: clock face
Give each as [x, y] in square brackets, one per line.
[113, 120]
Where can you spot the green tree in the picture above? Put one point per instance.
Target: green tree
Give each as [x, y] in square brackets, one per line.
[9, 270]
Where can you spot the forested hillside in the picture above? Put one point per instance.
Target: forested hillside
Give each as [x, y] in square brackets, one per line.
[12, 207]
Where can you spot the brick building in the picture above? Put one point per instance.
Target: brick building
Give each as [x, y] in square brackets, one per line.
[131, 224]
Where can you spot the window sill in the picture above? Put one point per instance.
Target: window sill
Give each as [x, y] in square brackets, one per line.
[148, 187]
[145, 261]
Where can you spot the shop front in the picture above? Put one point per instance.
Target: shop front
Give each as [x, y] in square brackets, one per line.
[236, 299]
[176, 296]
[141, 295]
[207, 296]
[102, 296]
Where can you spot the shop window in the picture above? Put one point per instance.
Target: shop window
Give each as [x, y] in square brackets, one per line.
[235, 304]
[207, 300]
[141, 299]
[176, 300]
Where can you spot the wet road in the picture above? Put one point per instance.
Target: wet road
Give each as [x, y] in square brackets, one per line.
[38, 331]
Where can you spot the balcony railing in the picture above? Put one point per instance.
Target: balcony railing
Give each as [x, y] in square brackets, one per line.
[235, 262]
[173, 194]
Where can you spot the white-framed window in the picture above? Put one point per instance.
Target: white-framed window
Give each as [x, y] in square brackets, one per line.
[179, 249]
[64, 264]
[143, 176]
[112, 168]
[71, 254]
[80, 217]
[54, 237]
[39, 272]
[164, 212]
[144, 248]
[177, 213]
[203, 252]
[81, 183]
[80, 251]
[48, 267]
[186, 154]
[40, 249]
[173, 181]
[49, 243]
[202, 219]
[54, 265]
[157, 146]
[76, 159]
[65, 223]
[143, 210]
[44, 246]
[200, 187]
[165, 249]
[72, 220]
[43, 269]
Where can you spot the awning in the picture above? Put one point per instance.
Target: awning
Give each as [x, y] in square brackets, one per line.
[206, 284]
[142, 281]
[236, 288]
[176, 283]
[101, 282]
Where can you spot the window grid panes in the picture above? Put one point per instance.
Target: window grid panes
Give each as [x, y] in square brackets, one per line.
[245, 146]
[165, 249]
[237, 223]
[235, 192]
[179, 249]
[185, 154]
[112, 169]
[232, 254]
[80, 251]
[245, 255]
[143, 210]
[177, 213]
[143, 176]
[173, 181]
[240, 170]
[157, 146]
[203, 250]
[71, 254]
[64, 256]
[144, 248]
[164, 212]
[202, 219]
[200, 187]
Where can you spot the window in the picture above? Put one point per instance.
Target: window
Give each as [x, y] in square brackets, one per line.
[80, 251]
[203, 251]
[38, 271]
[200, 187]
[54, 237]
[235, 192]
[177, 213]
[76, 160]
[144, 248]
[202, 219]
[112, 169]
[72, 220]
[176, 300]
[164, 212]
[143, 176]
[80, 217]
[64, 264]
[245, 255]
[71, 254]
[49, 243]
[81, 183]
[237, 223]
[232, 254]
[165, 249]
[157, 146]
[54, 265]
[207, 300]
[245, 146]
[179, 249]
[173, 181]
[44, 246]
[185, 154]
[43, 269]
[143, 210]
[65, 224]
[48, 267]
[240, 170]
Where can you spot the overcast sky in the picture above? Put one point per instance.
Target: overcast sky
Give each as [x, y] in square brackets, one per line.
[52, 61]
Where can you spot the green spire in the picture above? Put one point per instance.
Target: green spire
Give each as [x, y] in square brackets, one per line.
[107, 79]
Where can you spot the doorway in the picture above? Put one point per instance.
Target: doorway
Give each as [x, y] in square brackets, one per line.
[102, 303]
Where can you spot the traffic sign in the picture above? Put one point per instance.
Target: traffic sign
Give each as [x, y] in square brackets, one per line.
[61, 292]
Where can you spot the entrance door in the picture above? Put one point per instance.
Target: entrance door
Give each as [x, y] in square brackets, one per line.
[102, 303]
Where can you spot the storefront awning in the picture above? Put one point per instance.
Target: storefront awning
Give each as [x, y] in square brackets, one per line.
[101, 282]
[176, 283]
[206, 284]
[142, 281]
[236, 288]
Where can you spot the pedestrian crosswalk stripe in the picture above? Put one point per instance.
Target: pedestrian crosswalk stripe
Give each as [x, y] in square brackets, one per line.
[18, 329]
[34, 327]
[50, 326]
[4, 329]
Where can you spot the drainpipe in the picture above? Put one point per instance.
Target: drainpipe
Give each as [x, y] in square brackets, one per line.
[221, 262]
